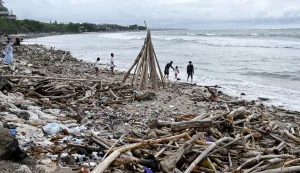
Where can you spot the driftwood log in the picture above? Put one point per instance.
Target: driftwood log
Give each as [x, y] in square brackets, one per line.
[175, 126]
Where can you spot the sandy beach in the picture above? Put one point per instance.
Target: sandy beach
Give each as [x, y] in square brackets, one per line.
[64, 116]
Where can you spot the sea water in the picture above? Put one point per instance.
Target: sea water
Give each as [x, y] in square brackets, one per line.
[259, 63]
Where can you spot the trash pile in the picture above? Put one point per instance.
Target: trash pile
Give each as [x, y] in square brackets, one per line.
[69, 119]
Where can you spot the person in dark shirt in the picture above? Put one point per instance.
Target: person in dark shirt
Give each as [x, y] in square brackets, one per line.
[167, 69]
[190, 71]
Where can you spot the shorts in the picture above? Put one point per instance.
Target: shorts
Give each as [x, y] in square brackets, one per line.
[190, 74]
[112, 68]
[166, 72]
[97, 69]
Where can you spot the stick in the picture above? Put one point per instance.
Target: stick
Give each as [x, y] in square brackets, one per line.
[161, 74]
[139, 69]
[135, 63]
[162, 150]
[114, 94]
[111, 147]
[254, 167]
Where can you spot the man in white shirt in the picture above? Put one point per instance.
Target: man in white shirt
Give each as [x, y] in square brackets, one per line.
[97, 66]
[112, 64]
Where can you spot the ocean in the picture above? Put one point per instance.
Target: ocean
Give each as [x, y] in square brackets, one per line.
[259, 63]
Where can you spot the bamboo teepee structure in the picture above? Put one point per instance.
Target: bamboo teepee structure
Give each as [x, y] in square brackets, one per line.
[146, 65]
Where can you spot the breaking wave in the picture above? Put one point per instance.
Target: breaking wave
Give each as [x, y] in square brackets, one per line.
[274, 75]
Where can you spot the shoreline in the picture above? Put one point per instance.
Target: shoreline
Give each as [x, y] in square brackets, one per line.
[109, 109]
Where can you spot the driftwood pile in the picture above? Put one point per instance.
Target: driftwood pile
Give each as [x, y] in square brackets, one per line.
[244, 139]
[61, 80]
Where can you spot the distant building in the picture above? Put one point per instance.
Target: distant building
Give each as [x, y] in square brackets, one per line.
[4, 12]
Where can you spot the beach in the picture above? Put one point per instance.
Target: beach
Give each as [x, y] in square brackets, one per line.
[258, 63]
[94, 114]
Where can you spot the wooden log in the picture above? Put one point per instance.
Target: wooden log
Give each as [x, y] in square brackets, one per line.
[158, 124]
[114, 89]
[146, 80]
[139, 68]
[153, 70]
[176, 126]
[256, 160]
[103, 141]
[85, 146]
[144, 76]
[278, 148]
[205, 152]
[100, 143]
[179, 125]
[292, 137]
[116, 153]
[283, 170]
[169, 164]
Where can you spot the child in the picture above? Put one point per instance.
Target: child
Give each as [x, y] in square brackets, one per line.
[176, 72]
[97, 66]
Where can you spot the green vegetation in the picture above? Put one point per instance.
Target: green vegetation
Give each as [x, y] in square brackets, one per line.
[32, 26]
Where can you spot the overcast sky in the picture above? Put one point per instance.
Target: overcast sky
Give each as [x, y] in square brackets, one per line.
[190, 14]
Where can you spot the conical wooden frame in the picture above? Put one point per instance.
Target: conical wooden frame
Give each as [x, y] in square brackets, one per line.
[146, 64]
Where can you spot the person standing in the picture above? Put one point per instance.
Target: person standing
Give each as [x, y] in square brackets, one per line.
[190, 71]
[167, 68]
[97, 66]
[51, 51]
[176, 73]
[112, 64]
[8, 59]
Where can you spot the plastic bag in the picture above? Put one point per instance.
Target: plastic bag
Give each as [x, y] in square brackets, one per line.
[54, 129]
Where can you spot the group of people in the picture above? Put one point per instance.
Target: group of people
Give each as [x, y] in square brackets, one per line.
[111, 64]
[190, 71]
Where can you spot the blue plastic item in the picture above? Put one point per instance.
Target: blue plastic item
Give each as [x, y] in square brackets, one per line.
[148, 170]
[208, 139]
[13, 131]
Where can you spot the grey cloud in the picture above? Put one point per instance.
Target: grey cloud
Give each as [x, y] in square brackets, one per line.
[195, 14]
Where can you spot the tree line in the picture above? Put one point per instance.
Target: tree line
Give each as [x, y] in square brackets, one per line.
[33, 26]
